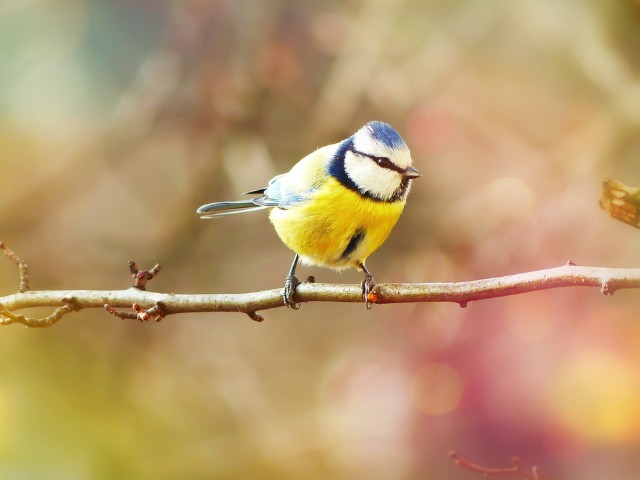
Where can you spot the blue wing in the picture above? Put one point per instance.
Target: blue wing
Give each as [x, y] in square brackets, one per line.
[283, 191]
[298, 184]
[277, 194]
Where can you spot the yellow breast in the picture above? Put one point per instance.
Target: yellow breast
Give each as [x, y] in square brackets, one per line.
[337, 227]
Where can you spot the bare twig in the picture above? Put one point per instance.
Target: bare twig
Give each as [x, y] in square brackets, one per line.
[23, 268]
[517, 470]
[120, 313]
[141, 277]
[7, 317]
[141, 314]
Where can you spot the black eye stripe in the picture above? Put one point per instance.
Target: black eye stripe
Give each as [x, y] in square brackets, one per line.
[336, 169]
[382, 162]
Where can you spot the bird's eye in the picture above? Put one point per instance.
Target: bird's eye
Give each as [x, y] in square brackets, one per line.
[383, 162]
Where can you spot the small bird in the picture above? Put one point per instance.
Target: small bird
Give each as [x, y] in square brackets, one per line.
[337, 205]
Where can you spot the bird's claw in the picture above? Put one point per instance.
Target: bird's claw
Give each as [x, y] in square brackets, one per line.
[290, 285]
[367, 286]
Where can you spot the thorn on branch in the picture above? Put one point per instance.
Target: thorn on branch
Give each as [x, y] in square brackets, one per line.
[255, 316]
[517, 470]
[141, 277]
[607, 288]
[23, 268]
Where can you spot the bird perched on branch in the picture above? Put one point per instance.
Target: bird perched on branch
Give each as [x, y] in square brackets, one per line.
[337, 205]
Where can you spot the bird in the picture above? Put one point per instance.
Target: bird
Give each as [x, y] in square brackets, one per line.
[337, 205]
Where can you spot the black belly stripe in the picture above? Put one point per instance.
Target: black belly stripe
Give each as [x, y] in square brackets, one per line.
[354, 241]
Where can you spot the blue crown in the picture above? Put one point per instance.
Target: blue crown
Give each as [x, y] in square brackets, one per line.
[385, 134]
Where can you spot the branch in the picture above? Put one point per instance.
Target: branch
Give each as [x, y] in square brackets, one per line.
[155, 306]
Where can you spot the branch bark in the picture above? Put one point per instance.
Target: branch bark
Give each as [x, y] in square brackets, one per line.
[155, 306]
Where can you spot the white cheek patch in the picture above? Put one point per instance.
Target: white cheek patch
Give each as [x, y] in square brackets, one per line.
[369, 177]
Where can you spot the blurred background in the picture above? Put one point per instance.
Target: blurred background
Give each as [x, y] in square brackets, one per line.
[119, 117]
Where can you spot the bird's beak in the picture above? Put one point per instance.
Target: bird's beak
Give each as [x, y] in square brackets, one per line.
[411, 172]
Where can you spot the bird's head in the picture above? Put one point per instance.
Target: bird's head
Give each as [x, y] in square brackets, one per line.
[378, 163]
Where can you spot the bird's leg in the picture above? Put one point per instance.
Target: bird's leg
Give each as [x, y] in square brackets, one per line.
[290, 285]
[367, 284]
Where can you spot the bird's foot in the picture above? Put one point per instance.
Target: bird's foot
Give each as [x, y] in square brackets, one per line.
[290, 285]
[367, 286]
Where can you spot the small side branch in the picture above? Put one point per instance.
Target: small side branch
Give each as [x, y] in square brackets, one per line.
[157, 312]
[141, 277]
[23, 268]
[7, 317]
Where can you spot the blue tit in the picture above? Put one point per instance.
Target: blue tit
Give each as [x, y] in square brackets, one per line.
[337, 205]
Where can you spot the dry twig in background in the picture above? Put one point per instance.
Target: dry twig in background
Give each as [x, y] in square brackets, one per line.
[621, 202]
[516, 471]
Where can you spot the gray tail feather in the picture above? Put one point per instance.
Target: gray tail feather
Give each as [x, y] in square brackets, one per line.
[219, 209]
